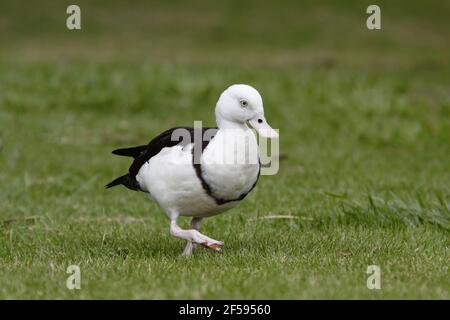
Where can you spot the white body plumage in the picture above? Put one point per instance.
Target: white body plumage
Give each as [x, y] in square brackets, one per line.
[229, 165]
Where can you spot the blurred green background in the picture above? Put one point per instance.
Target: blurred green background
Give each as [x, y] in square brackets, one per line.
[364, 119]
[269, 33]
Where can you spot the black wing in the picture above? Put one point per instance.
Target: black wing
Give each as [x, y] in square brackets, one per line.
[133, 152]
[142, 154]
[165, 139]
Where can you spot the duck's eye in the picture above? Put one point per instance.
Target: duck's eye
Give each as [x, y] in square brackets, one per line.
[244, 103]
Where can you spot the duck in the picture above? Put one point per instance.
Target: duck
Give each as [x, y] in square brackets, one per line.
[200, 172]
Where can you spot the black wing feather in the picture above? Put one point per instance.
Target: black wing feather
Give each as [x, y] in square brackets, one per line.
[133, 152]
[142, 154]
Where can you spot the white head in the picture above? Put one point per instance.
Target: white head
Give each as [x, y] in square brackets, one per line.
[239, 104]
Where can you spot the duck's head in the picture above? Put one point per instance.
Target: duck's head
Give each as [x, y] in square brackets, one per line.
[241, 104]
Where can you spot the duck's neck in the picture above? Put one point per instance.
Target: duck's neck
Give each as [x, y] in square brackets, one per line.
[224, 124]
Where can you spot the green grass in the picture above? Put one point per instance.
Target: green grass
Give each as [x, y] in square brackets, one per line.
[364, 120]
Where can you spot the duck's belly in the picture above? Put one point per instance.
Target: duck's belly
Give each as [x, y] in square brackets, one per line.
[170, 179]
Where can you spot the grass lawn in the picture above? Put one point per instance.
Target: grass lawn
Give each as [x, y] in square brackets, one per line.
[364, 120]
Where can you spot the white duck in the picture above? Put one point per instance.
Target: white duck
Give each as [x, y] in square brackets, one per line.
[201, 172]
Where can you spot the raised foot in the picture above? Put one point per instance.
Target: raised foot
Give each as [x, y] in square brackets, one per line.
[206, 241]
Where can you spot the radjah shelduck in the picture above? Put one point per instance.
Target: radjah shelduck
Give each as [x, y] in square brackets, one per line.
[201, 172]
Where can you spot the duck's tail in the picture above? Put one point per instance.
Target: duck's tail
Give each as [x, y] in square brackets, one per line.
[125, 180]
[133, 152]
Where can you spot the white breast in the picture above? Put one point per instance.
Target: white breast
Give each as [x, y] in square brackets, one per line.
[230, 163]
